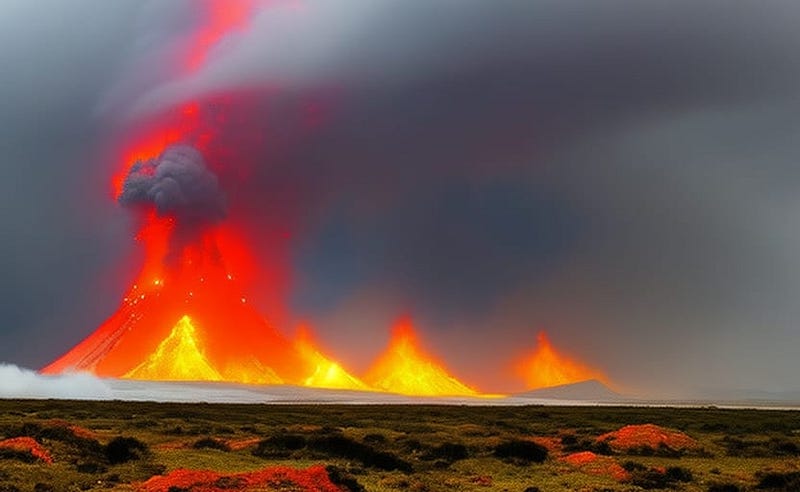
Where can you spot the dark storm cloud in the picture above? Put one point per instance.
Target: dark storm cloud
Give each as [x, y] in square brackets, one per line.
[178, 184]
[621, 173]
[61, 240]
[660, 132]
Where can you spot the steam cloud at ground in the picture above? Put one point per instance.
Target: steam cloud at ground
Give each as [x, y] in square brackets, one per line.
[16, 382]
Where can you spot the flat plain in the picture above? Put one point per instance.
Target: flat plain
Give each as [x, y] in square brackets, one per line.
[64, 445]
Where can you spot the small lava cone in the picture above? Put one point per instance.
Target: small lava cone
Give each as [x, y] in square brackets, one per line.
[635, 438]
[314, 478]
[594, 464]
[27, 445]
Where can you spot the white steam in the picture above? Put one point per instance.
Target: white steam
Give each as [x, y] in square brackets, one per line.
[16, 382]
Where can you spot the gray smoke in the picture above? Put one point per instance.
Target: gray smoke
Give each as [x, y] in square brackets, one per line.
[178, 183]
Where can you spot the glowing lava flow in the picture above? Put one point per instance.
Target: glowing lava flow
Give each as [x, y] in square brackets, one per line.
[324, 373]
[177, 358]
[546, 367]
[180, 357]
[404, 368]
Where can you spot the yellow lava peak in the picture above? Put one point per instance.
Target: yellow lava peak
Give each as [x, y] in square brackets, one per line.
[177, 358]
[546, 367]
[404, 368]
[325, 373]
[180, 357]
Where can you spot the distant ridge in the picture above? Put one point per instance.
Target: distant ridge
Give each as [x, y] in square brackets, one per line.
[589, 390]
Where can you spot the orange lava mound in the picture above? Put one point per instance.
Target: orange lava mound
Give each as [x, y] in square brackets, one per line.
[27, 445]
[593, 464]
[652, 436]
[546, 367]
[406, 369]
[314, 478]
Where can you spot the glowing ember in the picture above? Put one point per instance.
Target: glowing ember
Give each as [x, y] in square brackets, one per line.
[325, 373]
[404, 368]
[546, 367]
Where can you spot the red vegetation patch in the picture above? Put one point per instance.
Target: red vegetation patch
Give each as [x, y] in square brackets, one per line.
[553, 444]
[239, 444]
[593, 464]
[314, 478]
[633, 437]
[27, 445]
[76, 430]
[482, 480]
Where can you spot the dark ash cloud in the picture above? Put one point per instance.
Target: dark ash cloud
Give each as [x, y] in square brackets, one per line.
[177, 183]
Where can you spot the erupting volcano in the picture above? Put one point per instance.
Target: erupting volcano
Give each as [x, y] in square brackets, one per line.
[546, 367]
[187, 315]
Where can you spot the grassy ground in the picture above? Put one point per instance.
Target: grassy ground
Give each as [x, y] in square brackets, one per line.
[418, 448]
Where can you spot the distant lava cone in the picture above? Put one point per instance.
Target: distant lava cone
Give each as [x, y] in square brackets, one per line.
[546, 367]
[323, 372]
[404, 368]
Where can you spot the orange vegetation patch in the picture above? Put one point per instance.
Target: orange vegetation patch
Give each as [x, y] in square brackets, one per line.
[27, 445]
[647, 435]
[314, 478]
[593, 464]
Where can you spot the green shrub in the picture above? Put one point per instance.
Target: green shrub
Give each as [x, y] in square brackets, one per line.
[343, 479]
[518, 450]
[344, 447]
[13, 454]
[124, 449]
[449, 452]
[679, 474]
[211, 443]
[724, 487]
[375, 438]
[779, 481]
[280, 445]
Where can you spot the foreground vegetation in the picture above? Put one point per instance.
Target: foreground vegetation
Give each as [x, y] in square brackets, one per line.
[67, 445]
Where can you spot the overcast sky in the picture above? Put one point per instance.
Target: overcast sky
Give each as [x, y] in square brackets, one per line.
[621, 174]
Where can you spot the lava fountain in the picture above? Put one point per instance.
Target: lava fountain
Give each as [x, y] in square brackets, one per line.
[406, 368]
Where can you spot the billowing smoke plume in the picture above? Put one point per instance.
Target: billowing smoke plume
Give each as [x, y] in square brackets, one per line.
[177, 183]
